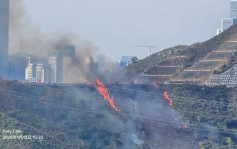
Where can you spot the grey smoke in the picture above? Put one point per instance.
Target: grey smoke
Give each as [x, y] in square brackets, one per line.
[28, 38]
[144, 121]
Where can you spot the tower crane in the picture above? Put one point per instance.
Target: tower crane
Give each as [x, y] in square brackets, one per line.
[150, 47]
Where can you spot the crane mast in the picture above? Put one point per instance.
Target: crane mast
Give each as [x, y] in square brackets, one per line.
[149, 47]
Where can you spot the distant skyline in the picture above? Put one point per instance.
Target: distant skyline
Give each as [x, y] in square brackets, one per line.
[116, 27]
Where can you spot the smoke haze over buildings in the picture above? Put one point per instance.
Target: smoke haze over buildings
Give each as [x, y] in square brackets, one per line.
[25, 37]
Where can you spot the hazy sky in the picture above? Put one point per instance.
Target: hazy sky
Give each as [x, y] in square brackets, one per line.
[117, 26]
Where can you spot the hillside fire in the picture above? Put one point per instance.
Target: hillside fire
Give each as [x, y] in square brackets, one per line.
[104, 92]
[167, 97]
[170, 103]
[154, 84]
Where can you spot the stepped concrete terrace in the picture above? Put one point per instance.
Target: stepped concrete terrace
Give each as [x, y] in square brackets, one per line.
[203, 69]
[165, 70]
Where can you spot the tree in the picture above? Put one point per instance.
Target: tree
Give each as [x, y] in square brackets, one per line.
[134, 60]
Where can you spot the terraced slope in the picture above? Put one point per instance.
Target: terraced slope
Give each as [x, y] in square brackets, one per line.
[164, 70]
[204, 68]
[156, 58]
[199, 61]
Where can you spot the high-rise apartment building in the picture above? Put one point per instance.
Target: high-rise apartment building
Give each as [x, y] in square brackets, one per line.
[30, 73]
[101, 60]
[67, 70]
[126, 60]
[53, 69]
[228, 22]
[60, 63]
[4, 37]
[233, 8]
[16, 67]
[35, 72]
[40, 73]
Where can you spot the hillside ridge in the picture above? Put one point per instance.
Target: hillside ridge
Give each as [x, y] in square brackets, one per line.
[199, 61]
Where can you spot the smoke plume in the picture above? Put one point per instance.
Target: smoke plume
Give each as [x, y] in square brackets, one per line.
[29, 39]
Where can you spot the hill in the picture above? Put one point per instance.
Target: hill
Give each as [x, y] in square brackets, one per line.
[155, 58]
[195, 63]
[211, 110]
[77, 116]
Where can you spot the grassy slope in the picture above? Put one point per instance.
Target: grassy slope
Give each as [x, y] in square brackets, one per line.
[51, 112]
[10, 123]
[213, 108]
[67, 120]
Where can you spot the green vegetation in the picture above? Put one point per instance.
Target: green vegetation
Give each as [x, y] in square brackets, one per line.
[211, 112]
[56, 113]
[77, 117]
[134, 60]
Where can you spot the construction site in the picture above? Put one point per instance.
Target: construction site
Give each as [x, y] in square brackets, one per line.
[209, 63]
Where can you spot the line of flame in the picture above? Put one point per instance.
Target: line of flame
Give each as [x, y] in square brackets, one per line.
[170, 103]
[167, 97]
[154, 84]
[104, 92]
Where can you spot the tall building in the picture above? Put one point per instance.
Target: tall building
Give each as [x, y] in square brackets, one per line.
[4, 37]
[47, 77]
[35, 72]
[125, 61]
[59, 60]
[53, 69]
[16, 67]
[101, 60]
[30, 73]
[67, 70]
[40, 73]
[228, 22]
[233, 8]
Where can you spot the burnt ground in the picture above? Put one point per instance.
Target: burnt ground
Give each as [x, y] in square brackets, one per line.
[77, 116]
[157, 123]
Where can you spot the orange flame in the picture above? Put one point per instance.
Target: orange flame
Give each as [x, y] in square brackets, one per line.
[171, 104]
[184, 125]
[154, 84]
[104, 92]
[167, 97]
